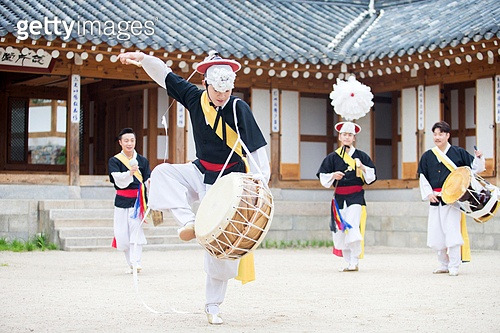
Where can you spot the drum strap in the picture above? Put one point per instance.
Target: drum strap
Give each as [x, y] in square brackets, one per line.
[465, 249]
[444, 159]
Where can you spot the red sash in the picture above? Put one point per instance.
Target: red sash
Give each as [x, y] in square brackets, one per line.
[215, 166]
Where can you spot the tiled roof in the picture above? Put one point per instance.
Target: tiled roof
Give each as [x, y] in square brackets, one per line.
[328, 31]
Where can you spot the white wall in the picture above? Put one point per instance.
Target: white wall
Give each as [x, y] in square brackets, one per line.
[364, 138]
[311, 156]
[162, 140]
[432, 111]
[261, 108]
[485, 116]
[290, 127]
[409, 125]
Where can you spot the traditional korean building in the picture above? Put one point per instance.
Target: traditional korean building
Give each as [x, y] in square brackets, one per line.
[64, 96]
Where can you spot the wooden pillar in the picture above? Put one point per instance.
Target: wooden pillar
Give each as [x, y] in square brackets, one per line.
[53, 117]
[178, 134]
[462, 128]
[395, 136]
[152, 126]
[73, 128]
[275, 159]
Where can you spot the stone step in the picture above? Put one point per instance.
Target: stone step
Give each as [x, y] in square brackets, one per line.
[80, 213]
[154, 247]
[98, 222]
[107, 231]
[107, 240]
[76, 204]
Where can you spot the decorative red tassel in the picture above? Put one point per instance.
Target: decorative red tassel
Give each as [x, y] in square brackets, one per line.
[113, 243]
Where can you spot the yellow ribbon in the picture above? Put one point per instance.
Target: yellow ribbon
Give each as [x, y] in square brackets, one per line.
[246, 269]
[122, 158]
[362, 228]
[126, 162]
[350, 162]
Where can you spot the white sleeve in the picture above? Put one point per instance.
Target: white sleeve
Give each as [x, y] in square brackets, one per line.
[425, 187]
[260, 157]
[369, 175]
[156, 69]
[326, 179]
[122, 179]
[479, 164]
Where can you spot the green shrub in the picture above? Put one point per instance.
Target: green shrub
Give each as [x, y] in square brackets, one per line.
[295, 244]
[39, 242]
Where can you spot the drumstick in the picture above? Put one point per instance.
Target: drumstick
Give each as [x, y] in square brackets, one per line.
[133, 62]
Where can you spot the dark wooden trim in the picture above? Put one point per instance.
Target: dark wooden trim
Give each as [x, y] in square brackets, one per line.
[383, 142]
[314, 138]
[152, 126]
[382, 100]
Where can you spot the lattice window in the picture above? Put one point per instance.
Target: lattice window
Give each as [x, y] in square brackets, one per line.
[18, 127]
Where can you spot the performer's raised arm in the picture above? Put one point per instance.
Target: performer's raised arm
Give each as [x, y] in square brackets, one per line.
[154, 67]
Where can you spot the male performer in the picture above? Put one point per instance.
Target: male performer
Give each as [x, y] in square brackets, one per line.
[175, 186]
[129, 171]
[349, 168]
[444, 222]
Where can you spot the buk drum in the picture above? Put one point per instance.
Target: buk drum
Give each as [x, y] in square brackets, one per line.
[474, 196]
[234, 216]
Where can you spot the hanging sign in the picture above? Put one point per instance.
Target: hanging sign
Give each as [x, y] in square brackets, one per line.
[25, 57]
[275, 110]
[181, 115]
[75, 98]
[420, 107]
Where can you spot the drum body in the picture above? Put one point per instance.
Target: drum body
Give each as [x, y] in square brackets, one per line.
[473, 195]
[234, 216]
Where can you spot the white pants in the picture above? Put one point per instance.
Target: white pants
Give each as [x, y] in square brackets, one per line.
[127, 232]
[175, 187]
[444, 235]
[350, 242]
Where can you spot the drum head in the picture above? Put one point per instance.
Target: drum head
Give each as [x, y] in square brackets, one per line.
[456, 184]
[218, 206]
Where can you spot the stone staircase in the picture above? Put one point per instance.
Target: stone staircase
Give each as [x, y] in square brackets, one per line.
[87, 225]
[396, 218]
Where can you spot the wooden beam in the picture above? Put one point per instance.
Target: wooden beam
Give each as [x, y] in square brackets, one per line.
[152, 126]
[73, 142]
[395, 137]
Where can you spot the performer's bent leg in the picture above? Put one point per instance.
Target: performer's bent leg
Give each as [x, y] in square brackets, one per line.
[175, 186]
[183, 216]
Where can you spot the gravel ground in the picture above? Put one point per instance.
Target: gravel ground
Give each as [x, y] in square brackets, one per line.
[295, 291]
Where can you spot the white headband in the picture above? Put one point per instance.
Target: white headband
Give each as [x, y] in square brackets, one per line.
[221, 77]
